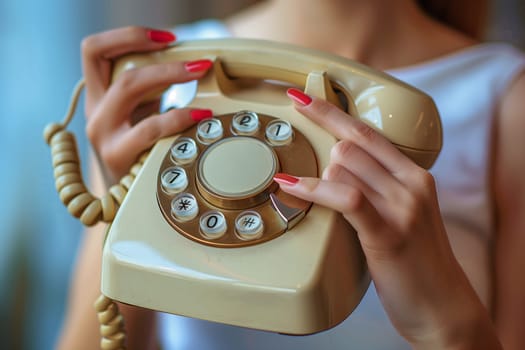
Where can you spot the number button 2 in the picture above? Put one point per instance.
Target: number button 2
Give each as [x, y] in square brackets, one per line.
[245, 123]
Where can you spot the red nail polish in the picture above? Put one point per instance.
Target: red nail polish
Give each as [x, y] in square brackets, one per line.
[161, 36]
[198, 66]
[286, 179]
[299, 96]
[201, 114]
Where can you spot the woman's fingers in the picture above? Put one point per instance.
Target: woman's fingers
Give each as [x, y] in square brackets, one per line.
[375, 186]
[128, 142]
[341, 197]
[117, 42]
[114, 109]
[346, 128]
[127, 92]
[99, 49]
[362, 165]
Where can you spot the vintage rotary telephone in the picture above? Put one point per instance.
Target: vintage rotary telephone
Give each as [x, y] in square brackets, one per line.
[199, 228]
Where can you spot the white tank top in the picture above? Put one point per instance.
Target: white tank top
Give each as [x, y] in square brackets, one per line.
[466, 86]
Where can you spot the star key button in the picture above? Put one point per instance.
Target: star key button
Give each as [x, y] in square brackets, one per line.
[184, 207]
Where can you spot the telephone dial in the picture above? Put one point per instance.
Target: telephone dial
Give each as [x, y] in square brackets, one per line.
[200, 229]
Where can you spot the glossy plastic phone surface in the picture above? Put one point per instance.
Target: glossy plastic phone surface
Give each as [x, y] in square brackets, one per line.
[204, 232]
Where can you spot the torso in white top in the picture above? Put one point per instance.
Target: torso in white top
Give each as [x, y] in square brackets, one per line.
[466, 87]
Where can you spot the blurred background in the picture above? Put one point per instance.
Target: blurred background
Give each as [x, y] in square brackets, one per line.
[40, 63]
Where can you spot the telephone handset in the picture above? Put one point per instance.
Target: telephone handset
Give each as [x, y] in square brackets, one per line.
[204, 231]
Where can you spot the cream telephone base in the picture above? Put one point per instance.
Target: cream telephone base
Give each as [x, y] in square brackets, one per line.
[204, 231]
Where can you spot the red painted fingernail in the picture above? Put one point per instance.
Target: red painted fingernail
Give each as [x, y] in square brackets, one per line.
[299, 96]
[201, 114]
[286, 179]
[161, 36]
[198, 66]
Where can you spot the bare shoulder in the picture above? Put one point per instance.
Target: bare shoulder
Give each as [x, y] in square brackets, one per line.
[509, 192]
[509, 164]
[512, 109]
[513, 101]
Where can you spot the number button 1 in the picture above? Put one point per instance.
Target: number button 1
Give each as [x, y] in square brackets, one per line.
[209, 130]
[279, 132]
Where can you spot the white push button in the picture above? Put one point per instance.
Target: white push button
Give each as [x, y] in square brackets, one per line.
[245, 123]
[184, 151]
[249, 225]
[209, 130]
[184, 207]
[279, 132]
[213, 224]
[174, 179]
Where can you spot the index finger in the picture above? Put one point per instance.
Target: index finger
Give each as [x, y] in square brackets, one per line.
[346, 127]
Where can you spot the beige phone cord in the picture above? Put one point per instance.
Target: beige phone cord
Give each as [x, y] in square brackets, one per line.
[113, 336]
[68, 177]
[87, 207]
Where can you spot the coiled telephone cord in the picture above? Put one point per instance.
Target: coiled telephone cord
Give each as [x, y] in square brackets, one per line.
[68, 177]
[88, 208]
[112, 332]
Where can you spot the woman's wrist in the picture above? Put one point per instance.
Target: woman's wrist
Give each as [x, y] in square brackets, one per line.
[475, 336]
[465, 325]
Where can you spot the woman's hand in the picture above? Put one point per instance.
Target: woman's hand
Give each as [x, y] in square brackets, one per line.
[112, 108]
[392, 204]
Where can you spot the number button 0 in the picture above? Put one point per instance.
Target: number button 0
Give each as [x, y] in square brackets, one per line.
[174, 179]
[279, 132]
[213, 224]
[209, 130]
[184, 151]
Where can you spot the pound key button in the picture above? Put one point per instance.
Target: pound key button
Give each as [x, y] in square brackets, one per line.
[249, 225]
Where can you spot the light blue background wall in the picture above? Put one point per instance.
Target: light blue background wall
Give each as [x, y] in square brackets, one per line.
[40, 62]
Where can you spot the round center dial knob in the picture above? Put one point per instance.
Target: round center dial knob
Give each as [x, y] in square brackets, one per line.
[237, 172]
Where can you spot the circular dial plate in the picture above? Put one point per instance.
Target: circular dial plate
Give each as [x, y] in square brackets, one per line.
[295, 157]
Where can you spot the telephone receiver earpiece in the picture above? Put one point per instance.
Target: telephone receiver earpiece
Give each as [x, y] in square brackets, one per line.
[403, 114]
